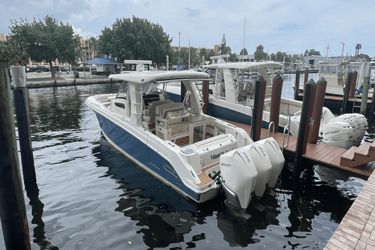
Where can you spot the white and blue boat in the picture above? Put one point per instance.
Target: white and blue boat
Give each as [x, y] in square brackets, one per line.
[192, 152]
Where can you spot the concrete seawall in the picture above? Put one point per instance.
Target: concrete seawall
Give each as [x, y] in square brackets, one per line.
[43, 83]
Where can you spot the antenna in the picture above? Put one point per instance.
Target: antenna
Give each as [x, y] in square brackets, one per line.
[327, 49]
[342, 51]
[244, 32]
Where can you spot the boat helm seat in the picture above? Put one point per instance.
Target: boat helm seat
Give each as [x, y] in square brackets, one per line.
[149, 114]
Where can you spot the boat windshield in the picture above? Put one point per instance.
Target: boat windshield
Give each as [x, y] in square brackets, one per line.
[121, 93]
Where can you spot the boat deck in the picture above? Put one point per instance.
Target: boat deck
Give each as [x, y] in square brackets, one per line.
[338, 98]
[321, 154]
[357, 228]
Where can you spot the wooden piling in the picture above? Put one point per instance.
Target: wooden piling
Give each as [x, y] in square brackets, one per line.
[182, 92]
[296, 84]
[353, 84]
[317, 109]
[304, 125]
[256, 120]
[12, 205]
[23, 123]
[305, 79]
[366, 86]
[372, 110]
[205, 93]
[277, 85]
[348, 83]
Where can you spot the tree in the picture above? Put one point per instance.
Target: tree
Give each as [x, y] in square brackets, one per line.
[259, 53]
[362, 57]
[135, 38]
[312, 52]
[244, 51]
[105, 44]
[46, 40]
[12, 53]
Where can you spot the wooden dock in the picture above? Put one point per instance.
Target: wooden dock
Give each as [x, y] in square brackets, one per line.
[357, 228]
[351, 160]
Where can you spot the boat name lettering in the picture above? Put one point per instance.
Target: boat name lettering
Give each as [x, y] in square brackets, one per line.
[226, 164]
[215, 156]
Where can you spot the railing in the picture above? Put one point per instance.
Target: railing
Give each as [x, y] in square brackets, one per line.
[285, 133]
[271, 125]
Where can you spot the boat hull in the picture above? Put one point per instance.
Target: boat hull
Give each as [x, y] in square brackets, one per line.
[147, 158]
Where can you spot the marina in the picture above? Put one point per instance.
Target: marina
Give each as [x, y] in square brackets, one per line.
[96, 185]
[131, 125]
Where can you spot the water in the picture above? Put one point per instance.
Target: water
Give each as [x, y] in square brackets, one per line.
[92, 197]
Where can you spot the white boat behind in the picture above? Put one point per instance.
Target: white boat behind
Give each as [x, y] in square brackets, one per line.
[232, 95]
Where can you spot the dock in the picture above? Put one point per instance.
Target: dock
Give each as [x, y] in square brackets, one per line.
[351, 160]
[357, 228]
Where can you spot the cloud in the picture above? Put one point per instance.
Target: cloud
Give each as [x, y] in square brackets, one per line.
[290, 26]
[192, 12]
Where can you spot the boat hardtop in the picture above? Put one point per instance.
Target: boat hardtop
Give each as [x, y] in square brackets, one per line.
[159, 76]
[256, 66]
[250, 65]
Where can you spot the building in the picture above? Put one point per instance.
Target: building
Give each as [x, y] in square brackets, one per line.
[102, 65]
[5, 37]
[88, 48]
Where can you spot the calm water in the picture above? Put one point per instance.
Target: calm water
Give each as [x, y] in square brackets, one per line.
[92, 197]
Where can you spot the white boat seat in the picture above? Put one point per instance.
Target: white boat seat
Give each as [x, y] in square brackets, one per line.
[176, 107]
[149, 114]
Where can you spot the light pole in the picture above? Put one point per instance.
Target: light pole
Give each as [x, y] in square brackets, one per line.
[189, 55]
[178, 59]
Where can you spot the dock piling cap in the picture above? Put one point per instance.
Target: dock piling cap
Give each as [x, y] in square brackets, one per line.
[18, 74]
[311, 81]
[321, 80]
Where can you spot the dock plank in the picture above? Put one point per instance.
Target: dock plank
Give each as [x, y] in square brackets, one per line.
[357, 227]
[334, 154]
[313, 150]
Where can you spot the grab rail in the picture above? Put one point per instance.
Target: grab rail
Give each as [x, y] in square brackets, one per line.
[271, 124]
[286, 128]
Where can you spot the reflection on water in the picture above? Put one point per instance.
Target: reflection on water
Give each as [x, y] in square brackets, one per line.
[92, 197]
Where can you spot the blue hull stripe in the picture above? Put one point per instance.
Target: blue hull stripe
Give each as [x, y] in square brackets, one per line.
[231, 115]
[144, 154]
[173, 97]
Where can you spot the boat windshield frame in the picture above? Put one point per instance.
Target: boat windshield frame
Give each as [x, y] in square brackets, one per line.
[123, 89]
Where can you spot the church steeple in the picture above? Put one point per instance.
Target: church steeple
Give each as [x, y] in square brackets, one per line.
[223, 41]
[223, 46]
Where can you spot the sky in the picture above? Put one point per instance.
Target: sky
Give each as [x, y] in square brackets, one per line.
[290, 26]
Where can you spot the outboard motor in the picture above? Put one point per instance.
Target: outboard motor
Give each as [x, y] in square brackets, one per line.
[263, 165]
[276, 157]
[239, 176]
[249, 169]
[358, 122]
[337, 133]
